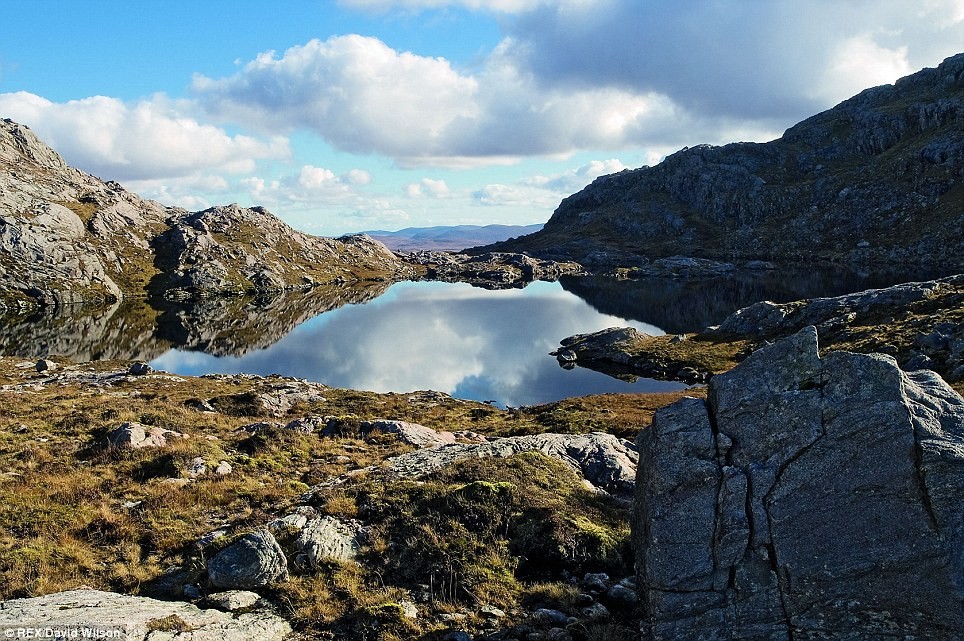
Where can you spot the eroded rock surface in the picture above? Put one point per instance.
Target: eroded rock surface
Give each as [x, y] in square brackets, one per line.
[139, 618]
[607, 462]
[808, 497]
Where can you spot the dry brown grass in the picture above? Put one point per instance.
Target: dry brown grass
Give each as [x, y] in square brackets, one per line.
[76, 512]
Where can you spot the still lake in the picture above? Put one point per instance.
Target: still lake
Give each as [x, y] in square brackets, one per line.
[479, 344]
[485, 345]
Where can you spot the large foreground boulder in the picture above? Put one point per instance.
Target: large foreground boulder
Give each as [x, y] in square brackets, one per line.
[807, 498]
[94, 614]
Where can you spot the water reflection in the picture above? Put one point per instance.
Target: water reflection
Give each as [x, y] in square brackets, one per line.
[681, 305]
[469, 342]
[136, 329]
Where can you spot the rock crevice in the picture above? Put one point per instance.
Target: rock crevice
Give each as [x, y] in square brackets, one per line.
[806, 496]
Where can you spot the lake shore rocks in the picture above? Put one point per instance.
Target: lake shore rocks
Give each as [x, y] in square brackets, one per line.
[921, 324]
[808, 496]
[490, 270]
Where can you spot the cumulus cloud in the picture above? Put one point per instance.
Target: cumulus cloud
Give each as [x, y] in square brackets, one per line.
[357, 92]
[427, 188]
[193, 193]
[150, 139]
[316, 185]
[591, 74]
[364, 97]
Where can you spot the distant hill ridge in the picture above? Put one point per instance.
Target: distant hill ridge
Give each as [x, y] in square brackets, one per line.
[449, 238]
[877, 179]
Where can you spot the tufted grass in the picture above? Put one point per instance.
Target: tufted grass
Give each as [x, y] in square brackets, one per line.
[75, 512]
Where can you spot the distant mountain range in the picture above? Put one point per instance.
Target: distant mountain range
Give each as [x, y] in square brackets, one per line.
[449, 238]
[877, 180]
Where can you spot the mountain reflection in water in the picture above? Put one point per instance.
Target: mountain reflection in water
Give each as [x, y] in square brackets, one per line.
[451, 337]
[469, 342]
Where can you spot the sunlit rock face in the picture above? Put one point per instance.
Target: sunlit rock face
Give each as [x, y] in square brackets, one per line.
[69, 238]
[809, 495]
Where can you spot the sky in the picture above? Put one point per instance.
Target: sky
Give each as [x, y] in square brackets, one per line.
[354, 115]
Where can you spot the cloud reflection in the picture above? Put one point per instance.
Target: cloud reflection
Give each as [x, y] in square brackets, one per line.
[465, 341]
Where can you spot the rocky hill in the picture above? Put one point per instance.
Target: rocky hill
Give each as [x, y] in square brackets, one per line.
[67, 237]
[877, 179]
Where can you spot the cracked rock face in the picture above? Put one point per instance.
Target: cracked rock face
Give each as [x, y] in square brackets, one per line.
[807, 498]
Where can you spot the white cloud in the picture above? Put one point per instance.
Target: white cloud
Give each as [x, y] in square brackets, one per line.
[315, 185]
[427, 188]
[364, 97]
[669, 75]
[544, 192]
[150, 139]
[859, 62]
[751, 61]
[193, 193]
[355, 91]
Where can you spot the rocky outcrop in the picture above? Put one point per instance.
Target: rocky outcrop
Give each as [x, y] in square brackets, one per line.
[606, 462]
[67, 237]
[808, 497]
[876, 179]
[134, 436]
[86, 613]
[490, 270]
[234, 250]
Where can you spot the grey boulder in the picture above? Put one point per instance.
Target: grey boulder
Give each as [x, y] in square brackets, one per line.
[256, 560]
[605, 461]
[808, 497]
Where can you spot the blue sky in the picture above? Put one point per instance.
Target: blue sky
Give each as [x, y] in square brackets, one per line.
[373, 114]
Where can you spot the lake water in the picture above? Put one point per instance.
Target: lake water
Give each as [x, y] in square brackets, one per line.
[451, 337]
[466, 341]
